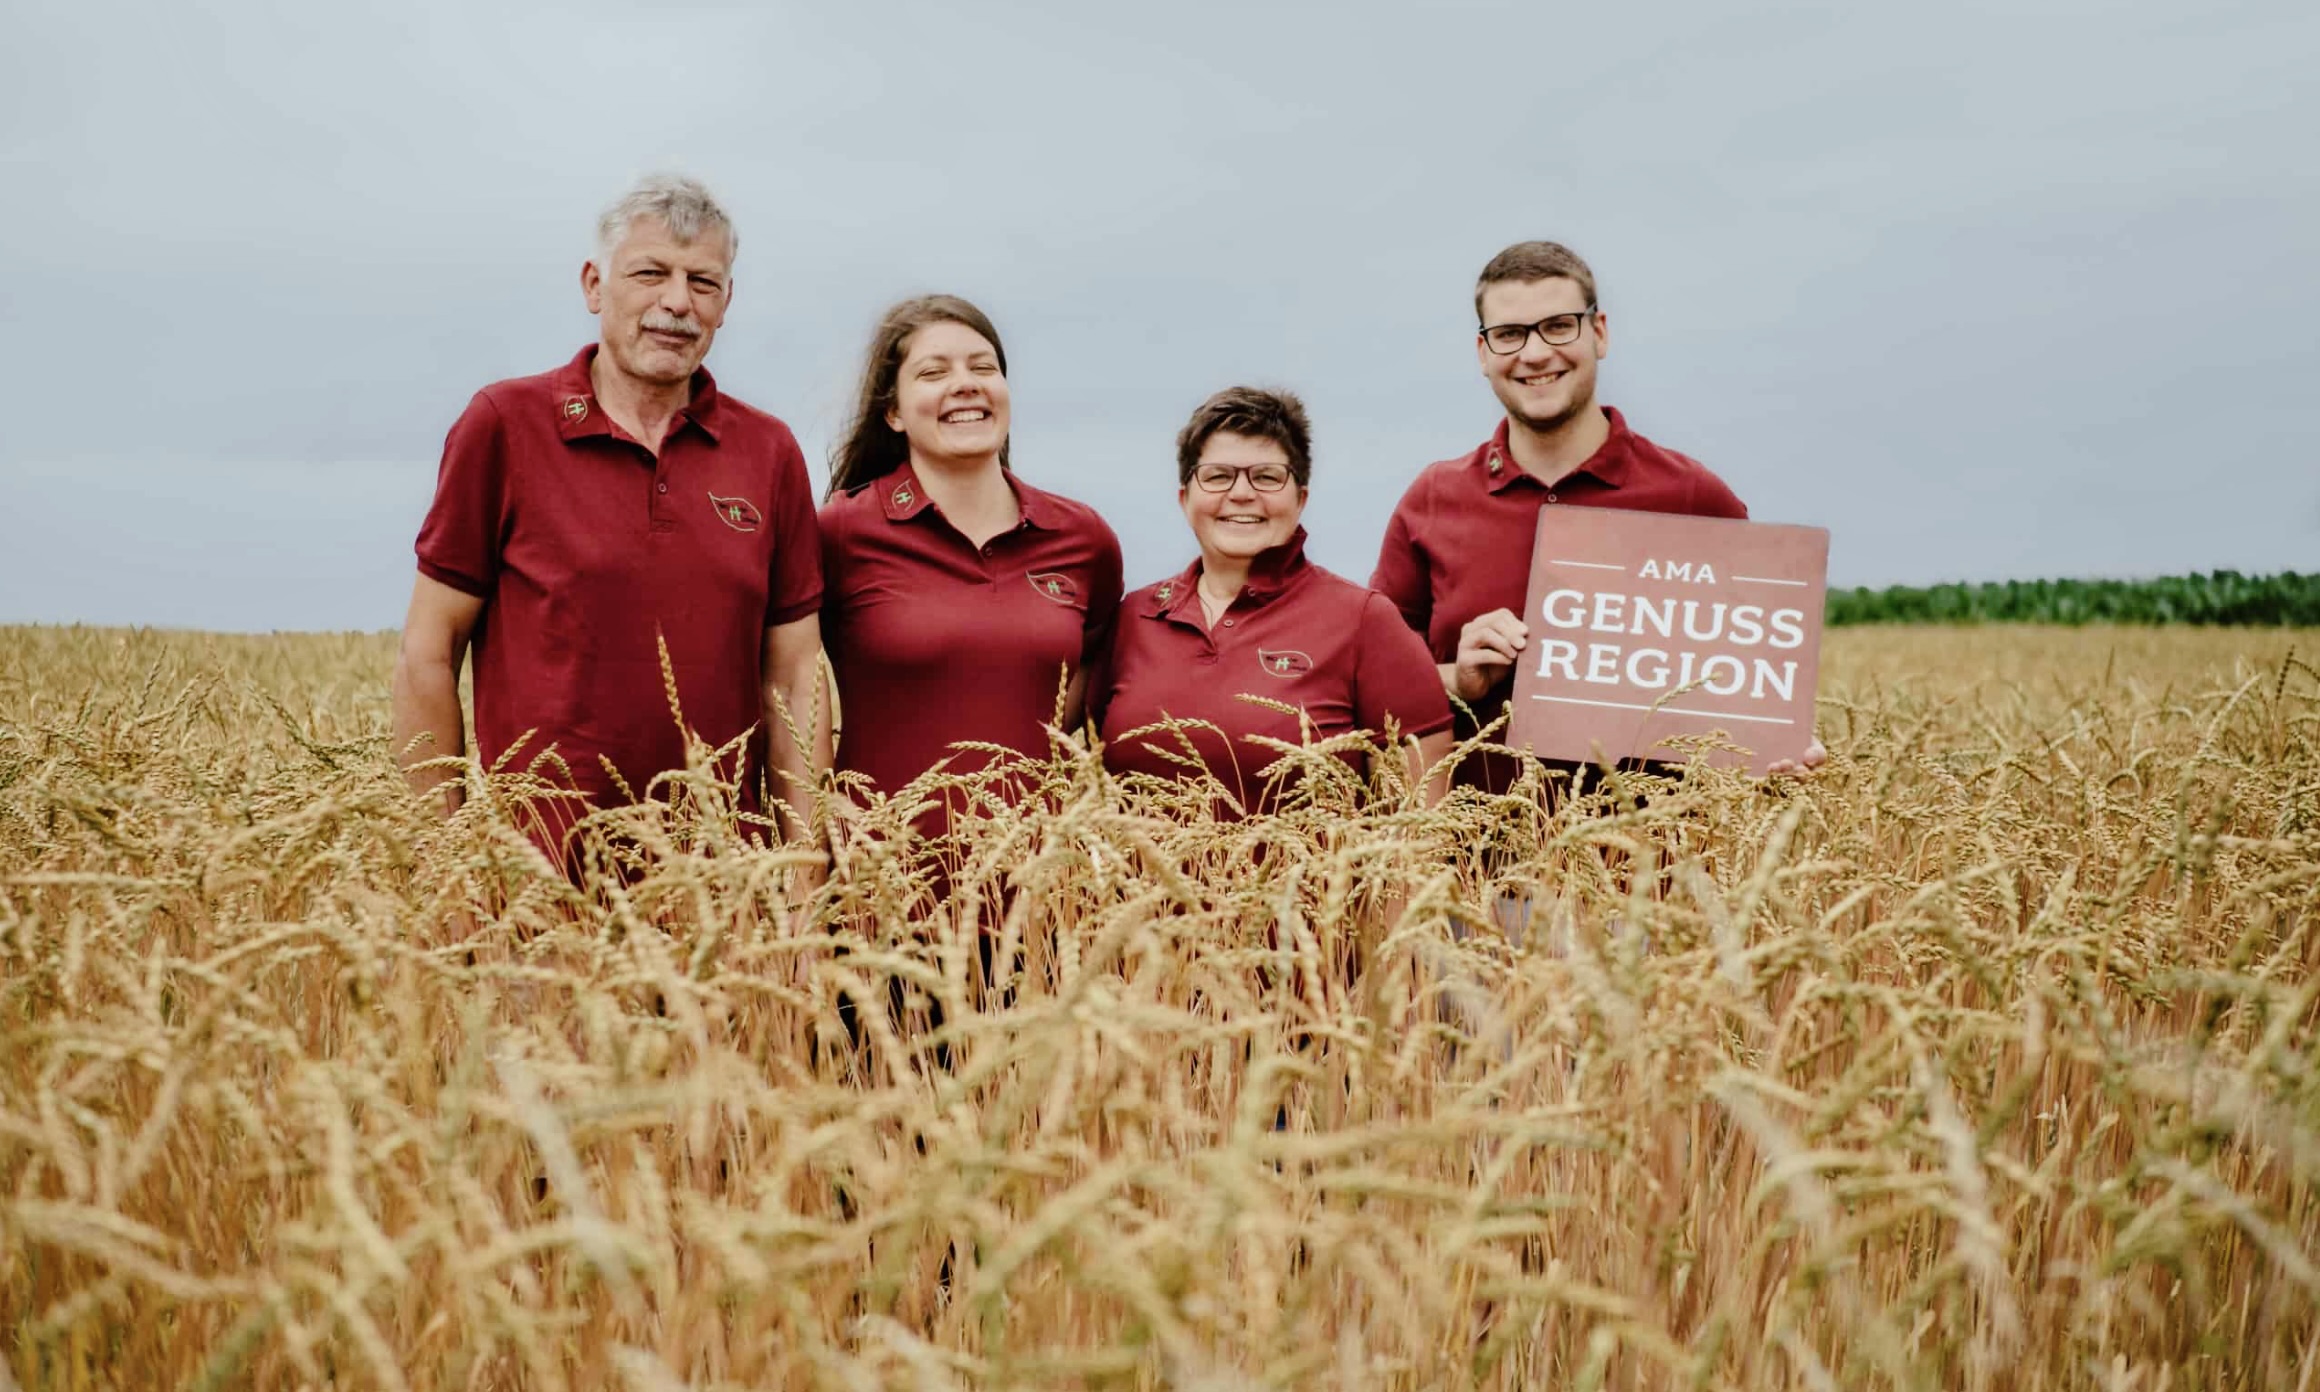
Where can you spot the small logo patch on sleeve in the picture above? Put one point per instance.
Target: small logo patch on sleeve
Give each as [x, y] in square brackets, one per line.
[1284, 662]
[1054, 585]
[738, 513]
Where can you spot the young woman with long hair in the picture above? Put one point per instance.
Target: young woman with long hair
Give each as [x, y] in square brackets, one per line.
[958, 599]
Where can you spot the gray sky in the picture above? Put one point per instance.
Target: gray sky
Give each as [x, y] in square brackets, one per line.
[1989, 290]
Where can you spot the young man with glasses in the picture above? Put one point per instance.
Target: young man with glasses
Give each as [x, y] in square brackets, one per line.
[1456, 559]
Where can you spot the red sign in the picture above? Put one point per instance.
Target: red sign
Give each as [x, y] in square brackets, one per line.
[1645, 625]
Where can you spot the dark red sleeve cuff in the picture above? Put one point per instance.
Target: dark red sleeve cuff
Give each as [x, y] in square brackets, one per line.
[444, 575]
[793, 611]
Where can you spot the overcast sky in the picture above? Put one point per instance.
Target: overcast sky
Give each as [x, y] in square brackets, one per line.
[1989, 290]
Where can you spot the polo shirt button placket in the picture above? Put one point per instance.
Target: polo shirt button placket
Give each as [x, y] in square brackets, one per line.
[662, 521]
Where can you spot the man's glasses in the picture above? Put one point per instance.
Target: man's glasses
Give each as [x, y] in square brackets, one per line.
[1554, 330]
[1265, 478]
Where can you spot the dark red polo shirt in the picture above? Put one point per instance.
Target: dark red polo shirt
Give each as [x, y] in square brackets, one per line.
[1296, 634]
[937, 641]
[1459, 543]
[587, 551]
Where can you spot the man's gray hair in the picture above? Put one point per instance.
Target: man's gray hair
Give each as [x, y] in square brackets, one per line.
[684, 206]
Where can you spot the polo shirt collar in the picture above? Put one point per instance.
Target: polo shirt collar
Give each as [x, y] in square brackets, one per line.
[1275, 569]
[1039, 510]
[578, 415]
[1608, 465]
[903, 497]
[900, 495]
[706, 409]
[1170, 595]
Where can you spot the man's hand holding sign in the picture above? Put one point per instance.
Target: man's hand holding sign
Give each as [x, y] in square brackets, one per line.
[1642, 626]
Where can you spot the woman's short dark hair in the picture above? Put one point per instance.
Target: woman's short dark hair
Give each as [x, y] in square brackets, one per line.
[1277, 416]
[871, 448]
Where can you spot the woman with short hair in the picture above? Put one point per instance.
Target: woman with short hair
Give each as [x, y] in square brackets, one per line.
[1252, 616]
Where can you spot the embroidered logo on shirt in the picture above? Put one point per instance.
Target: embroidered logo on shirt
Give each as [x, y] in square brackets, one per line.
[575, 408]
[738, 513]
[1164, 592]
[903, 497]
[1284, 662]
[1054, 585]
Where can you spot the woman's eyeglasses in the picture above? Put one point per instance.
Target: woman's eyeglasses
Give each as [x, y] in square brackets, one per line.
[1265, 478]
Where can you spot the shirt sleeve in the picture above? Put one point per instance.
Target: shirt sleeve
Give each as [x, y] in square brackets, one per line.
[831, 525]
[459, 542]
[1103, 610]
[1394, 675]
[794, 583]
[1401, 570]
[1103, 675]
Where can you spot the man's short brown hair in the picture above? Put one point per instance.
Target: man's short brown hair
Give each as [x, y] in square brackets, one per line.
[1277, 416]
[1528, 261]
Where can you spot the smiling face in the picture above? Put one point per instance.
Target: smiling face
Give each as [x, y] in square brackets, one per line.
[1543, 386]
[1242, 520]
[660, 301]
[950, 397]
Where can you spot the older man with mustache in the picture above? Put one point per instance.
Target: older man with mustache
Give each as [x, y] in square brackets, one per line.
[588, 517]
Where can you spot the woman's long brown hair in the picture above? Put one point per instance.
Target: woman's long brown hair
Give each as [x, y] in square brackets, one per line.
[871, 448]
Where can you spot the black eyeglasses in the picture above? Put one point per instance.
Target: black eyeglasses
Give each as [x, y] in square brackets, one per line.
[1554, 330]
[1265, 478]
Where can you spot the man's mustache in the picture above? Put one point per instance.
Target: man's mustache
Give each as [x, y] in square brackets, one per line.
[671, 323]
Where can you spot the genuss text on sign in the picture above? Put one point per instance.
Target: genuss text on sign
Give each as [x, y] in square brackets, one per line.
[1646, 625]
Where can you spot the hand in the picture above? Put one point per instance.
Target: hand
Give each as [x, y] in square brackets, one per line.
[1487, 648]
[1815, 755]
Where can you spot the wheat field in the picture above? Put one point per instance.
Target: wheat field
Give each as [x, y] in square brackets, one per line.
[1986, 1059]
